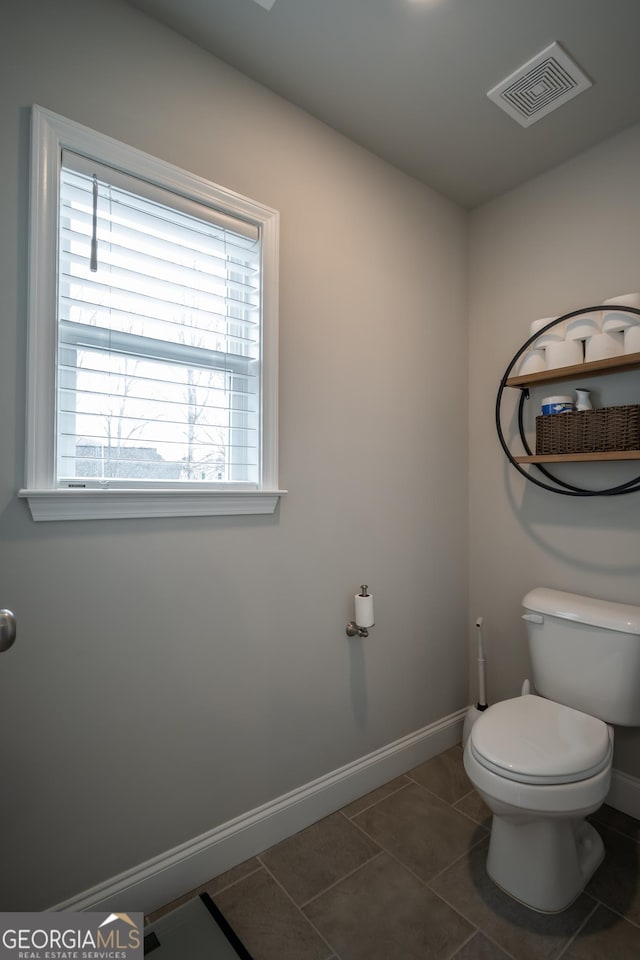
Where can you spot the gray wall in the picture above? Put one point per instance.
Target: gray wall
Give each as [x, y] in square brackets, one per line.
[170, 675]
[565, 240]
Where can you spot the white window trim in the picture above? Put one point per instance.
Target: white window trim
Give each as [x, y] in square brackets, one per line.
[50, 133]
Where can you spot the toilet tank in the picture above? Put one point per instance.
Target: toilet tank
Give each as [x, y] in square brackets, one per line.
[585, 653]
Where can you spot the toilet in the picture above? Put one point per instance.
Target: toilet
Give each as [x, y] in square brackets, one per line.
[542, 761]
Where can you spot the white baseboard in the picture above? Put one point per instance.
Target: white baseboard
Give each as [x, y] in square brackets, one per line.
[624, 793]
[160, 880]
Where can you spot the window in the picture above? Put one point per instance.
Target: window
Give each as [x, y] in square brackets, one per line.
[152, 336]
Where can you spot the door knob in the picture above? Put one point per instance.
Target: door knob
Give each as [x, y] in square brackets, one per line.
[7, 630]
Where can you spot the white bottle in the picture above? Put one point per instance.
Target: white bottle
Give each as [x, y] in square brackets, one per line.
[583, 400]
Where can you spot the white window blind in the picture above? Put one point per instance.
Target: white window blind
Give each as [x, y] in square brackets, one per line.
[159, 336]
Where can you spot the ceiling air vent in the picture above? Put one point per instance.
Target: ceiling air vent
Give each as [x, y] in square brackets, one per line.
[540, 86]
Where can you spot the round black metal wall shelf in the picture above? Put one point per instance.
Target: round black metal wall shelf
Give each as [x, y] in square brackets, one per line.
[523, 383]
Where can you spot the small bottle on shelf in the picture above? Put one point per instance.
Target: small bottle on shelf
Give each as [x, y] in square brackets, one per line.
[583, 400]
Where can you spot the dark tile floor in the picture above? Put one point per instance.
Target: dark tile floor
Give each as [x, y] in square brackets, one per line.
[400, 875]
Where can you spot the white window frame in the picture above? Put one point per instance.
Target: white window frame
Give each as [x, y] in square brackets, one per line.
[50, 134]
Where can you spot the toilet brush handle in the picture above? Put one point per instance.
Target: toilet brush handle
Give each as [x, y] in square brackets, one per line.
[482, 667]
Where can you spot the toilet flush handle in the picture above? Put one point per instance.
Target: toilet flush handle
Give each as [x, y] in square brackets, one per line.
[533, 617]
[7, 630]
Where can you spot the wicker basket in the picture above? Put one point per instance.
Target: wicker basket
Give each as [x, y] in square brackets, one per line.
[589, 431]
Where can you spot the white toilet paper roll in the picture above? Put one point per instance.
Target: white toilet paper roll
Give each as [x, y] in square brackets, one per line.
[532, 362]
[603, 346]
[618, 320]
[586, 325]
[364, 610]
[631, 338]
[536, 325]
[625, 300]
[566, 353]
[551, 336]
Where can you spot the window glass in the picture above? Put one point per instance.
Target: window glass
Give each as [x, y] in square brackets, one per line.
[158, 341]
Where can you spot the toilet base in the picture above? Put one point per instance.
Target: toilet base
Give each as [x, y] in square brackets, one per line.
[543, 863]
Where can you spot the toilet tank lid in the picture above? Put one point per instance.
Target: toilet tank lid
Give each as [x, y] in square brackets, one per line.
[622, 617]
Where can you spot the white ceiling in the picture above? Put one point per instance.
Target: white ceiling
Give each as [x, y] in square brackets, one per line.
[408, 79]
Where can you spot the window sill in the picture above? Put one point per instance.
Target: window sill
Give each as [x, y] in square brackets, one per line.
[128, 504]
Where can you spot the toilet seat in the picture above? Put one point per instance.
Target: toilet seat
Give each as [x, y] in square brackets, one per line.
[536, 741]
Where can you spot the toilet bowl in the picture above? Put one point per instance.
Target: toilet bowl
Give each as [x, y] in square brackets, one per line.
[541, 768]
[542, 763]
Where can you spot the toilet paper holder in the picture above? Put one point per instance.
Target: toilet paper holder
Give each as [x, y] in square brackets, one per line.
[364, 614]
